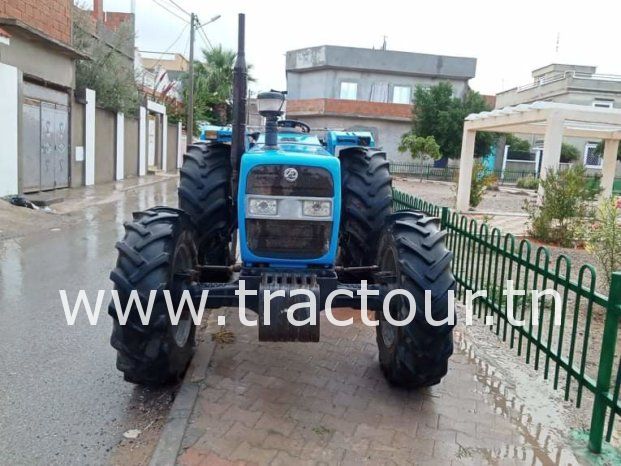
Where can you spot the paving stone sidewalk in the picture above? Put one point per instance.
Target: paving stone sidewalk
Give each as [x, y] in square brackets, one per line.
[328, 403]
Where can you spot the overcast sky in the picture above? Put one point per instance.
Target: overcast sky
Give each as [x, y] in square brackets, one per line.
[508, 38]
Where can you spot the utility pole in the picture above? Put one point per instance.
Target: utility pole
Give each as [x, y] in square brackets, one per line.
[190, 102]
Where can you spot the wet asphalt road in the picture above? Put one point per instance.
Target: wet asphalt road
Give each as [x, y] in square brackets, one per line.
[62, 401]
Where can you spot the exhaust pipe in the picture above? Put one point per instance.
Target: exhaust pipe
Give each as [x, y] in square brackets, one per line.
[240, 90]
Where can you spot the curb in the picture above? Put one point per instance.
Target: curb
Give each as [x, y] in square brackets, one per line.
[169, 444]
[160, 179]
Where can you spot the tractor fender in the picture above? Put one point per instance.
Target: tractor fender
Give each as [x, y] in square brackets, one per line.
[357, 149]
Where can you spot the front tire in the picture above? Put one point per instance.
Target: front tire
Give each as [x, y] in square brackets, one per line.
[412, 247]
[367, 199]
[157, 253]
[205, 195]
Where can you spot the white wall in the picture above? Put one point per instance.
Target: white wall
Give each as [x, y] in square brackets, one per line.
[89, 138]
[9, 102]
[120, 146]
[142, 149]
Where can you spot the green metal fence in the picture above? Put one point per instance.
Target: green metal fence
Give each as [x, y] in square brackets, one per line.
[581, 355]
[429, 172]
[426, 172]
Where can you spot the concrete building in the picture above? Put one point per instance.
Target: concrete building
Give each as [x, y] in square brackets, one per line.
[569, 84]
[52, 136]
[355, 88]
[37, 78]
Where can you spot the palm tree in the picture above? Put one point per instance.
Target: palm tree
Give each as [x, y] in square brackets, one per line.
[213, 85]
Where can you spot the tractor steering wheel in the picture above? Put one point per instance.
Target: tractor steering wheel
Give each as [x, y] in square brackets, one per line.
[294, 124]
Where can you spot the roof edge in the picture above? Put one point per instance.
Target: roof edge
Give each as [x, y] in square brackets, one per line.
[41, 36]
[380, 50]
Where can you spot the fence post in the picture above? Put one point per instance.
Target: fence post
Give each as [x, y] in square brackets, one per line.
[444, 218]
[606, 357]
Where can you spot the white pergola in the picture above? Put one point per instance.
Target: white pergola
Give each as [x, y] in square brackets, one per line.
[553, 120]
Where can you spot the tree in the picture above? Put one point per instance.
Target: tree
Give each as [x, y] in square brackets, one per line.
[599, 150]
[419, 146]
[569, 153]
[213, 85]
[437, 113]
[108, 72]
[517, 144]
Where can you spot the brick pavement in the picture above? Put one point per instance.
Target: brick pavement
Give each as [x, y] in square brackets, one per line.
[328, 403]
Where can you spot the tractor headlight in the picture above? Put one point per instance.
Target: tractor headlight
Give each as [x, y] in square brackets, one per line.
[262, 206]
[317, 208]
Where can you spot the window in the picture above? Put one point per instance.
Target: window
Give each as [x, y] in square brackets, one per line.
[349, 90]
[600, 103]
[379, 92]
[591, 160]
[402, 95]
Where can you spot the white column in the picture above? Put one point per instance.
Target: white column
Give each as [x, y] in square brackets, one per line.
[179, 145]
[142, 142]
[609, 166]
[9, 120]
[120, 146]
[164, 142]
[89, 138]
[466, 163]
[552, 142]
[505, 154]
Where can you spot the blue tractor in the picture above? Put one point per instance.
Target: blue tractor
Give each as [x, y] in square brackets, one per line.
[305, 214]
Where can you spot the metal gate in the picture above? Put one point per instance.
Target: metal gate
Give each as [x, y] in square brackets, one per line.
[45, 143]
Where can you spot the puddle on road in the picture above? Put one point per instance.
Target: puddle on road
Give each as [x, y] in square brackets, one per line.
[11, 269]
[85, 237]
[542, 423]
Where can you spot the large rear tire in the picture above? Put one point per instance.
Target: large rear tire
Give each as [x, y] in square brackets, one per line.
[412, 247]
[367, 200]
[205, 195]
[156, 253]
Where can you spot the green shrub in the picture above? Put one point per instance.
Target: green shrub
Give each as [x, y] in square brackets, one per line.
[603, 236]
[481, 180]
[564, 205]
[569, 153]
[517, 144]
[528, 182]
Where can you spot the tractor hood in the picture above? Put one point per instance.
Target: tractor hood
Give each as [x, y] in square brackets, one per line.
[292, 143]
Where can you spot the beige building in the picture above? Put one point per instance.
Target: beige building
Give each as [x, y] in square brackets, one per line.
[569, 84]
[168, 61]
[160, 74]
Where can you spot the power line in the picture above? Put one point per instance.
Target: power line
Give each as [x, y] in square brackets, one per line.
[170, 46]
[205, 38]
[201, 30]
[179, 7]
[170, 11]
[185, 49]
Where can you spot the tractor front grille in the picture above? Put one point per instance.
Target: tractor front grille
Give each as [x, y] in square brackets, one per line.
[269, 180]
[288, 239]
[290, 236]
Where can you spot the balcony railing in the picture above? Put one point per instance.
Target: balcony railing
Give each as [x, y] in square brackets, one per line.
[566, 75]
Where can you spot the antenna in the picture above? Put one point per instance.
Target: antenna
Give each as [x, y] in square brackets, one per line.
[558, 41]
